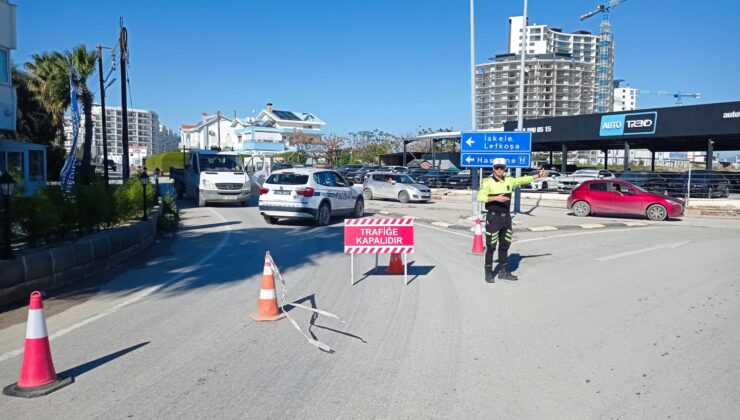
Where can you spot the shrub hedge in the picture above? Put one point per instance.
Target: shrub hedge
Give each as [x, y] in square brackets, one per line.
[46, 216]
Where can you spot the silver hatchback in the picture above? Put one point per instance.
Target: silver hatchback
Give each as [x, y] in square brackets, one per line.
[394, 186]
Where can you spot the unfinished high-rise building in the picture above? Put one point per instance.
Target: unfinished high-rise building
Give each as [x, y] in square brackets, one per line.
[560, 76]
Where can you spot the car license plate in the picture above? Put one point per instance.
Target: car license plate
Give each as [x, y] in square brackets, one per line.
[282, 192]
[453, 182]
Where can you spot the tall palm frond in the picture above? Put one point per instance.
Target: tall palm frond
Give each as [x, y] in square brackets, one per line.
[49, 80]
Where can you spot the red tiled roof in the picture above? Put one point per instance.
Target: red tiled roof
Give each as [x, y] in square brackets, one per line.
[186, 126]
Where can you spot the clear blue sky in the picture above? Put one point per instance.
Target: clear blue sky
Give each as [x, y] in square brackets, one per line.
[393, 65]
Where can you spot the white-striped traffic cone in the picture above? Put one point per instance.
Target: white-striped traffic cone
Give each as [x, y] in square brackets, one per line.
[37, 372]
[268, 309]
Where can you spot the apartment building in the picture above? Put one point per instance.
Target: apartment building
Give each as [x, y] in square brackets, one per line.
[555, 84]
[625, 99]
[8, 41]
[145, 134]
[560, 75]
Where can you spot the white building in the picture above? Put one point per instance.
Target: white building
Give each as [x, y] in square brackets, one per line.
[213, 130]
[145, 134]
[276, 131]
[625, 99]
[270, 131]
[8, 42]
[560, 76]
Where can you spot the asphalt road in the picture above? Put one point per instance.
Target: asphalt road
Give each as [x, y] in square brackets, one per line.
[611, 323]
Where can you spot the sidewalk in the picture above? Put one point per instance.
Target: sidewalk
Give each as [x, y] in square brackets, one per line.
[539, 212]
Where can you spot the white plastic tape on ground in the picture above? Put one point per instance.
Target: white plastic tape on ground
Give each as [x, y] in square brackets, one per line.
[276, 273]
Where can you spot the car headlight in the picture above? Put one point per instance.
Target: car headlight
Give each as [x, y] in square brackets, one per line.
[208, 185]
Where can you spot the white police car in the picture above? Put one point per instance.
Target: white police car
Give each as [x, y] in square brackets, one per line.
[309, 193]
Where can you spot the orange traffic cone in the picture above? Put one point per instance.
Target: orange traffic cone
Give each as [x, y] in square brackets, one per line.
[268, 307]
[37, 373]
[478, 239]
[396, 265]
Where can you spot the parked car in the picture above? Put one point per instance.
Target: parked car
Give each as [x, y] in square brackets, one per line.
[393, 168]
[620, 197]
[309, 193]
[703, 184]
[416, 172]
[544, 184]
[345, 169]
[734, 179]
[462, 179]
[568, 182]
[358, 176]
[434, 178]
[648, 181]
[395, 186]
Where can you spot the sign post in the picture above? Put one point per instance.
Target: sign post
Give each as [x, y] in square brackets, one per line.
[378, 236]
[479, 148]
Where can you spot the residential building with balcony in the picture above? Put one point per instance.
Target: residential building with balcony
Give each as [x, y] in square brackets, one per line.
[145, 134]
[8, 41]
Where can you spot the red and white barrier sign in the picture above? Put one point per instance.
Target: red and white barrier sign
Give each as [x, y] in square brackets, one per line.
[378, 236]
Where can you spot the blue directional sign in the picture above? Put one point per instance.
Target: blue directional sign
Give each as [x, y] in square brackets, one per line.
[485, 160]
[478, 149]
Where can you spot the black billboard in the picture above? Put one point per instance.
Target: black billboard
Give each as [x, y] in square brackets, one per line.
[674, 128]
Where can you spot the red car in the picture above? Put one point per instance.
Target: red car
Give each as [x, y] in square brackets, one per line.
[620, 197]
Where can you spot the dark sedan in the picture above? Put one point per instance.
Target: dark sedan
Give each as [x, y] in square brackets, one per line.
[703, 184]
[435, 178]
[648, 181]
[461, 179]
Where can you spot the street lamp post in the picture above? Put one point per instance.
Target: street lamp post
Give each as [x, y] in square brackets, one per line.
[520, 119]
[6, 189]
[144, 179]
[157, 173]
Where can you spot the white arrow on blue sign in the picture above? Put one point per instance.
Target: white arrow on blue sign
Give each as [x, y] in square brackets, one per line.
[485, 160]
[494, 142]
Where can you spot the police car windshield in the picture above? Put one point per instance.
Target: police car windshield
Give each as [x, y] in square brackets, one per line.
[219, 163]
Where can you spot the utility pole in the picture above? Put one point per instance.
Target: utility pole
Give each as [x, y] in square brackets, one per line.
[102, 106]
[475, 180]
[123, 40]
[218, 127]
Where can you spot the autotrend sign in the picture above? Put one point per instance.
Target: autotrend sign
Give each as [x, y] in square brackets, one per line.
[478, 149]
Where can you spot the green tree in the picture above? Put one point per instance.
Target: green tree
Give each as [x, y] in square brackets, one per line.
[48, 80]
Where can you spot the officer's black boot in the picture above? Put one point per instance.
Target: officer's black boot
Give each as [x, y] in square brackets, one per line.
[505, 274]
[490, 278]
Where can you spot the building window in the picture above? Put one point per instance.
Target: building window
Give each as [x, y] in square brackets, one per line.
[4, 67]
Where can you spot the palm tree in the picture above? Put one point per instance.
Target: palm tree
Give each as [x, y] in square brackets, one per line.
[49, 81]
[82, 62]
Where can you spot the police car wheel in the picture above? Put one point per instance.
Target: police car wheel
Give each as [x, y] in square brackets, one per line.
[359, 209]
[270, 220]
[323, 215]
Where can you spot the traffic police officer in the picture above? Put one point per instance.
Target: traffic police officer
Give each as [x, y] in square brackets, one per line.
[495, 192]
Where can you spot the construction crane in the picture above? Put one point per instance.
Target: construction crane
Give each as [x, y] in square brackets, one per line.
[677, 94]
[605, 72]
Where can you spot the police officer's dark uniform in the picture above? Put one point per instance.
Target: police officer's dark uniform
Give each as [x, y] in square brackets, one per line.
[498, 219]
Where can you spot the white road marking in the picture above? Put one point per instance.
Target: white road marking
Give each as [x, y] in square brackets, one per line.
[640, 251]
[138, 296]
[592, 226]
[442, 224]
[542, 228]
